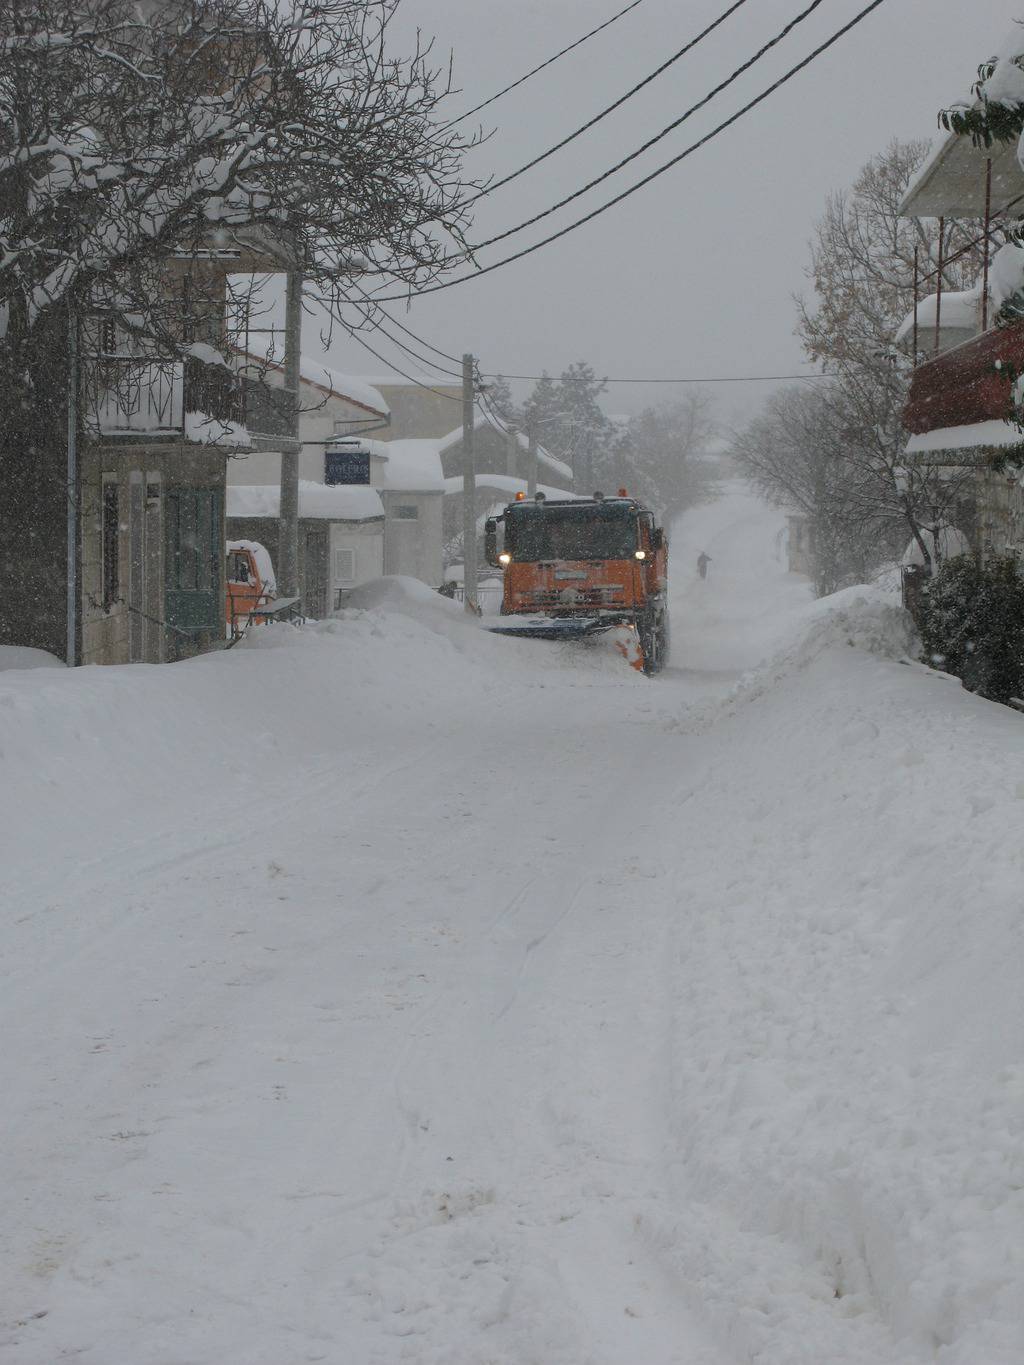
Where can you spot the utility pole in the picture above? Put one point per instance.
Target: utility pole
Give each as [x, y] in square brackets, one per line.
[469, 589]
[531, 468]
[72, 489]
[288, 537]
[512, 452]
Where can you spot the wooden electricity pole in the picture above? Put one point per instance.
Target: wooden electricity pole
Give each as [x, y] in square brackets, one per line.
[469, 587]
[288, 538]
[531, 468]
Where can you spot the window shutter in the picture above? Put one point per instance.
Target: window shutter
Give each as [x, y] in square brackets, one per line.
[344, 568]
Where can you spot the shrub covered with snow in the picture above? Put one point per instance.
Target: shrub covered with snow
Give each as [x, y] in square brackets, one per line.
[972, 624]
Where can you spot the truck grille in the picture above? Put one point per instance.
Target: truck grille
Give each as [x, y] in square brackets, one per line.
[607, 595]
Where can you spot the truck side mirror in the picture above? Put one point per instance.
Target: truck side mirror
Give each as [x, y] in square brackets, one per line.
[658, 538]
[491, 541]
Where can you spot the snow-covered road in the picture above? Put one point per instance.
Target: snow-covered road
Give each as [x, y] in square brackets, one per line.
[394, 992]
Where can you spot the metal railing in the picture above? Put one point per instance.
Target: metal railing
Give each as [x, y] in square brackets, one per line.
[128, 395]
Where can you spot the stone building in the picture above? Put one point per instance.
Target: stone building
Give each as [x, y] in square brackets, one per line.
[137, 573]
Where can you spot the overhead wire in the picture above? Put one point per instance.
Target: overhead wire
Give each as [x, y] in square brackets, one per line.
[609, 109]
[658, 171]
[543, 65]
[484, 375]
[408, 332]
[354, 334]
[658, 137]
[403, 346]
[646, 379]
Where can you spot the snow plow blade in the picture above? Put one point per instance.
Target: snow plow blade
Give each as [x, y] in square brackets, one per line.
[550, 627]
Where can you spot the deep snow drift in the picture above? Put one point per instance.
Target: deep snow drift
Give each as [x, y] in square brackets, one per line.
[388, 991]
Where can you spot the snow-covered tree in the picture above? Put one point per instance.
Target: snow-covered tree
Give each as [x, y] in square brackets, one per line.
[996, 113]
[134, 135]
[862, 270]
[658, 454]
[794, 453]
[569, 420]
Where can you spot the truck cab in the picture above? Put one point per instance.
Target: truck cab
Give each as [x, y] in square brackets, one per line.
[578, 566]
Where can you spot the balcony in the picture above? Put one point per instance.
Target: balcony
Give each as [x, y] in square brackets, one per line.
[969, 384]
[127, 396]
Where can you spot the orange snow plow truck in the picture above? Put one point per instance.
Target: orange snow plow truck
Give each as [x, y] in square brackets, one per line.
[577, 567]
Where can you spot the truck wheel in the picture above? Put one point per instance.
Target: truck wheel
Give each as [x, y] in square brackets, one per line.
[653, 642]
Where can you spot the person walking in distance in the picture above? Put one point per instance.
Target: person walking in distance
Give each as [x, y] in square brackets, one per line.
[703, 560]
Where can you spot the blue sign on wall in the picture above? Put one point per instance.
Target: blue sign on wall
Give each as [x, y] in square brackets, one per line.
[347, 466]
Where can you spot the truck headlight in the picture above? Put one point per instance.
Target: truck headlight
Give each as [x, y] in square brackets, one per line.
[640, 554]
[504, 557]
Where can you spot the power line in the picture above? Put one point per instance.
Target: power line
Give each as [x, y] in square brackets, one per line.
[354, 334]
[403, 346]
[483, 375]
[660, 170]
[408, 332]
[584, 128]
[644, 379]
[658, 137]
[550, 60]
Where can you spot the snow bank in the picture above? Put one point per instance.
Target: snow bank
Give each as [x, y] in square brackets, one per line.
[847, 1073]
[19, 656]
[868, 618]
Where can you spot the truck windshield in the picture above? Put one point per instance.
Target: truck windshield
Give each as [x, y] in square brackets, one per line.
[534, 531]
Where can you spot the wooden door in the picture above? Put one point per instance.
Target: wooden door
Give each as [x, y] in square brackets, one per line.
[194, 555]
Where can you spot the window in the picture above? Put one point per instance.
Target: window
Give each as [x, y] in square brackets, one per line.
[344, 568]
[406, 511]
[535, 532]
[111, 546]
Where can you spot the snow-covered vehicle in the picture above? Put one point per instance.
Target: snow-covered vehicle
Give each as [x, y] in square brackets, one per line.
[580, 566]
[251, 596]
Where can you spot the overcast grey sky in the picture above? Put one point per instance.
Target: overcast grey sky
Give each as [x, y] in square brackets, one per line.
[693, 275]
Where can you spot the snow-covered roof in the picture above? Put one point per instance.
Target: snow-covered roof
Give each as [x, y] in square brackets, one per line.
[412, 465]
[505, 483]
[329, 502]
[401, 381]
[960, 310]
[970, 436]
[485, 419]
[345, 386]
[952, 182]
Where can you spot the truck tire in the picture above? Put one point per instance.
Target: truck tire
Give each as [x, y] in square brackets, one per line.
[653, 631]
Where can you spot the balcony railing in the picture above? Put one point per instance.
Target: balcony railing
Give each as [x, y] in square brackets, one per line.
[970, 383]
[126, 395]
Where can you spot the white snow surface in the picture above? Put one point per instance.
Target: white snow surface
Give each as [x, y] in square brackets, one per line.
[330, 502]
[1006, 271]
[961, 309]
[21, 656]
[387, 991]
[314, 371]
[413, 465]
[506, 483]
[967, 437]
[215, 430]
[485, 419]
